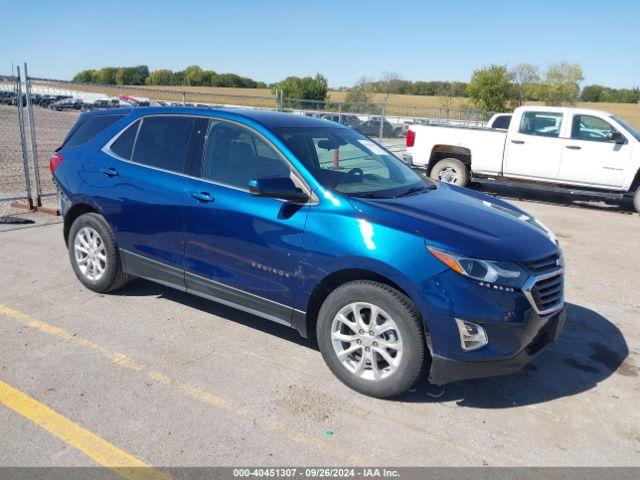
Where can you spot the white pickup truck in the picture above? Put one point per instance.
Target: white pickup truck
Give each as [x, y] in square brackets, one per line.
[587, 152]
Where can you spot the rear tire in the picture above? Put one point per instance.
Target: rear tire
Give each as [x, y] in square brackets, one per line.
[451, 170]
[94, 254]
[383, 357]
[636, 199]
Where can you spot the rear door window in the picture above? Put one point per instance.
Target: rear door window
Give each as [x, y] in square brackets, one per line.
[545, 124]
[88, 127]
[162, 142]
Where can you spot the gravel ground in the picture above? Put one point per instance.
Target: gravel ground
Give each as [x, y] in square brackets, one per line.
[175, 380]
[51, 128]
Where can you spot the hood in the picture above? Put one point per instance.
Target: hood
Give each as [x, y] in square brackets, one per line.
[464, 221]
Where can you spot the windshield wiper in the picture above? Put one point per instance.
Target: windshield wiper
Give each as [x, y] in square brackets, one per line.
[411, 191]
[369, 195]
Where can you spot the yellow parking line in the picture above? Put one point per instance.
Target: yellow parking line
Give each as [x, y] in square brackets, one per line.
[96, 448]
[203, 396]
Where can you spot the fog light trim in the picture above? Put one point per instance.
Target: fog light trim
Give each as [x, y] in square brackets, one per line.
[472, 335]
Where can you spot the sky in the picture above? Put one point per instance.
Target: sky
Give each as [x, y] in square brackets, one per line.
[342, 39]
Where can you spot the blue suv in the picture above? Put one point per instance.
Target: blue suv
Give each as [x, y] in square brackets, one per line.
[310, 224]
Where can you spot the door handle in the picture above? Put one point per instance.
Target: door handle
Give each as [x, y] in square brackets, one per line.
[202, 197]
[519, 142]
[573, 147]
[109, 172]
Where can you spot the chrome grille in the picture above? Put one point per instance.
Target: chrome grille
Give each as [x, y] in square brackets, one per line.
[543, 265]
[547, 293]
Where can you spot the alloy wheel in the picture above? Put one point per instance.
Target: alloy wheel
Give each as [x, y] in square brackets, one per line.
[367, 341]
[90, 253]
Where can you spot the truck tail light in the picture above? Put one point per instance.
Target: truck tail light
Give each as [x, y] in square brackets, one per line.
[54, 161]
[411, 138]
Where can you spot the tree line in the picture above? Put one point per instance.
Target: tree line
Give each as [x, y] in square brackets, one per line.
[140, 75]
[494, 87]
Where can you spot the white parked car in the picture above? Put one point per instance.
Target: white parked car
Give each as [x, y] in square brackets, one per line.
[582, 151]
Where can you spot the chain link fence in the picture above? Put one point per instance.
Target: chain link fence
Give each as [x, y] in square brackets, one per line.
[386, 122]
[49, 128]
[14, 163]
[37, 113]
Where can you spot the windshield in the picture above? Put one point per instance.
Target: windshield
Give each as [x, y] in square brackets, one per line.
[350, 163]
[628, 127]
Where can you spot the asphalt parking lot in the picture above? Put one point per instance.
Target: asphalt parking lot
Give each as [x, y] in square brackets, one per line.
[173, 380]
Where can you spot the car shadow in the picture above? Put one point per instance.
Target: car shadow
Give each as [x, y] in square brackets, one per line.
[588, 351]
[509, 192]
[143, 288]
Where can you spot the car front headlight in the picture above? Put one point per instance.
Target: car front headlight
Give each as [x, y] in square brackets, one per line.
[503, 273]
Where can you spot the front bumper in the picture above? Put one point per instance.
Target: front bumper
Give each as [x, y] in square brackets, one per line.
[446, 370]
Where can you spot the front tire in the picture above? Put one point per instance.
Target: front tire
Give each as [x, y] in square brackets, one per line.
[636, 199]
[372, 338]
[94, 254]
[451, 170]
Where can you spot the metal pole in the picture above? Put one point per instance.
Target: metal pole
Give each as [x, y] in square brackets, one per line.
[339, 113]
[184, 98]
[381, 122]
[32, 135]
[23, 142]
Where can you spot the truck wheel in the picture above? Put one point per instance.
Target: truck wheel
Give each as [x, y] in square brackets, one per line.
[94, 254]
[372, 338]
[451, 170]
[636, 199]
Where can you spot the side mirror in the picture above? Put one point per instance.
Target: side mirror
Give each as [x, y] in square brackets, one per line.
[617, 137]
[277, 187]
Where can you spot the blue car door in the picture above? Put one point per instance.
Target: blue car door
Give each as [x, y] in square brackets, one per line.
[242, 249]
[139, 182]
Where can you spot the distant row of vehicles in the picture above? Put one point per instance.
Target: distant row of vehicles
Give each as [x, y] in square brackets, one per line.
[63, 102]
[370, 128]
[67, 102]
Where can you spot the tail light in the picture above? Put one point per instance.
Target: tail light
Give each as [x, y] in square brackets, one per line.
[411, 138]
[54, 161]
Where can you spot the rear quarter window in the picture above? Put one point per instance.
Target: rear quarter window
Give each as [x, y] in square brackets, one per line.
[87, 128]
[123, 145]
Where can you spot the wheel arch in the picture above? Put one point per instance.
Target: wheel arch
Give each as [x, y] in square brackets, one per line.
[635, 184]
[440, 152]
[72, 214]
[307, 326]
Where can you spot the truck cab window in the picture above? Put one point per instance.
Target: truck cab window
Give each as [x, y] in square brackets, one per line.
[502, 121]
[588, 127]
[545, 124]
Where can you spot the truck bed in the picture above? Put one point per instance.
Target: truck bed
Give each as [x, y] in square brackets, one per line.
[487, 145]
